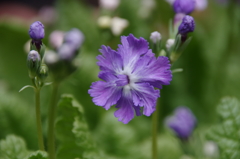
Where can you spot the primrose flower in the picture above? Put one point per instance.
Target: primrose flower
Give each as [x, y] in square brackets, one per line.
[129, 76]
[182, 122]
[184, 6]
[36, 31]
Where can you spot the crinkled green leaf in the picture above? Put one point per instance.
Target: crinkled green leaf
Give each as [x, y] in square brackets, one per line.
[13, 147]
[38, 155]
[227, 133]
[72, 131]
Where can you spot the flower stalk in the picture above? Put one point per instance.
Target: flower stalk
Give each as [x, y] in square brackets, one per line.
[38, 119]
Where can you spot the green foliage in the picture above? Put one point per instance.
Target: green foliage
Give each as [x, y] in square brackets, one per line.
[226, 134]
[17, 117]
[72, 131]
[37, 155]
[13, 147]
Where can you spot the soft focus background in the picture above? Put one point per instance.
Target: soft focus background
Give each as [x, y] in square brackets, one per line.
[210, 63]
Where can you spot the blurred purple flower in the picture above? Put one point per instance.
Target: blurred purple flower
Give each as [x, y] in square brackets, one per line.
[184, 6]
[72, 42]
[130, 75]
[36, 31]
[182, 122]
[74, 37]
[187, 25]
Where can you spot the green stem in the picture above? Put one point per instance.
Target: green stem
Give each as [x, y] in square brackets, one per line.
[51, 122]
[154, 132]
[38, 118]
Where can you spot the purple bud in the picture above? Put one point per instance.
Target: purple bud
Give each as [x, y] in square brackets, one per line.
[74, 38]
[36, 31]
[187, 25]
[182, 122]
[184, 6]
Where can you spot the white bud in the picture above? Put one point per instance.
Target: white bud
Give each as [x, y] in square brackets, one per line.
[210, 149]
[56, 39]
[51, 57]
[155, 37]
[170, 43]
[109, 4]
[104, 21]
[26, 46]
[118, 25]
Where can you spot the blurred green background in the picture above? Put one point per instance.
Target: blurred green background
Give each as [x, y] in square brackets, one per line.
[210, 63]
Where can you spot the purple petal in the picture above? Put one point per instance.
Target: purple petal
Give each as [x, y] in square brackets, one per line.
[122, 80]
[105, 94]
[144, 95]
[131, 49]
[119, 80]
[107, 76]
[154, 71]
[110, 60]
[126, 110]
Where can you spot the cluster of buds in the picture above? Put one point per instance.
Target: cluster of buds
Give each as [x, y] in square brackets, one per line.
[38, 71]
[61, 60]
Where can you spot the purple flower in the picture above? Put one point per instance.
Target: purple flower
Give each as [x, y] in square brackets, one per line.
[184, 6]
[182, 122]
[36, 31]
[74, 38]
[130, 75]
[187, 25]
[72, 42]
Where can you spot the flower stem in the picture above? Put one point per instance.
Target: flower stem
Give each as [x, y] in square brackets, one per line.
[38, 119]
[154, 132]
[51, 124]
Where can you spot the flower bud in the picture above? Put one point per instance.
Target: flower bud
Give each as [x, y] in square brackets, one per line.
[109, 4]
[169, 43]
[187, 25]
[56, 39]
[36, 31]
[104, 21]
[42, 72]
[33, 63]
[155, 37]
[182, 122]
[118, 25]
[210, 149]
[184, 6]
[74, 38]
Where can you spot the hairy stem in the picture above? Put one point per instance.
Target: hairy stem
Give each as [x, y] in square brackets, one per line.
[38, 119]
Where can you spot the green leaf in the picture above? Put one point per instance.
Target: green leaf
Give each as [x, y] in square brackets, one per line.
[227, 133]
[13, 147]
[38, 155]
[72, 131]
